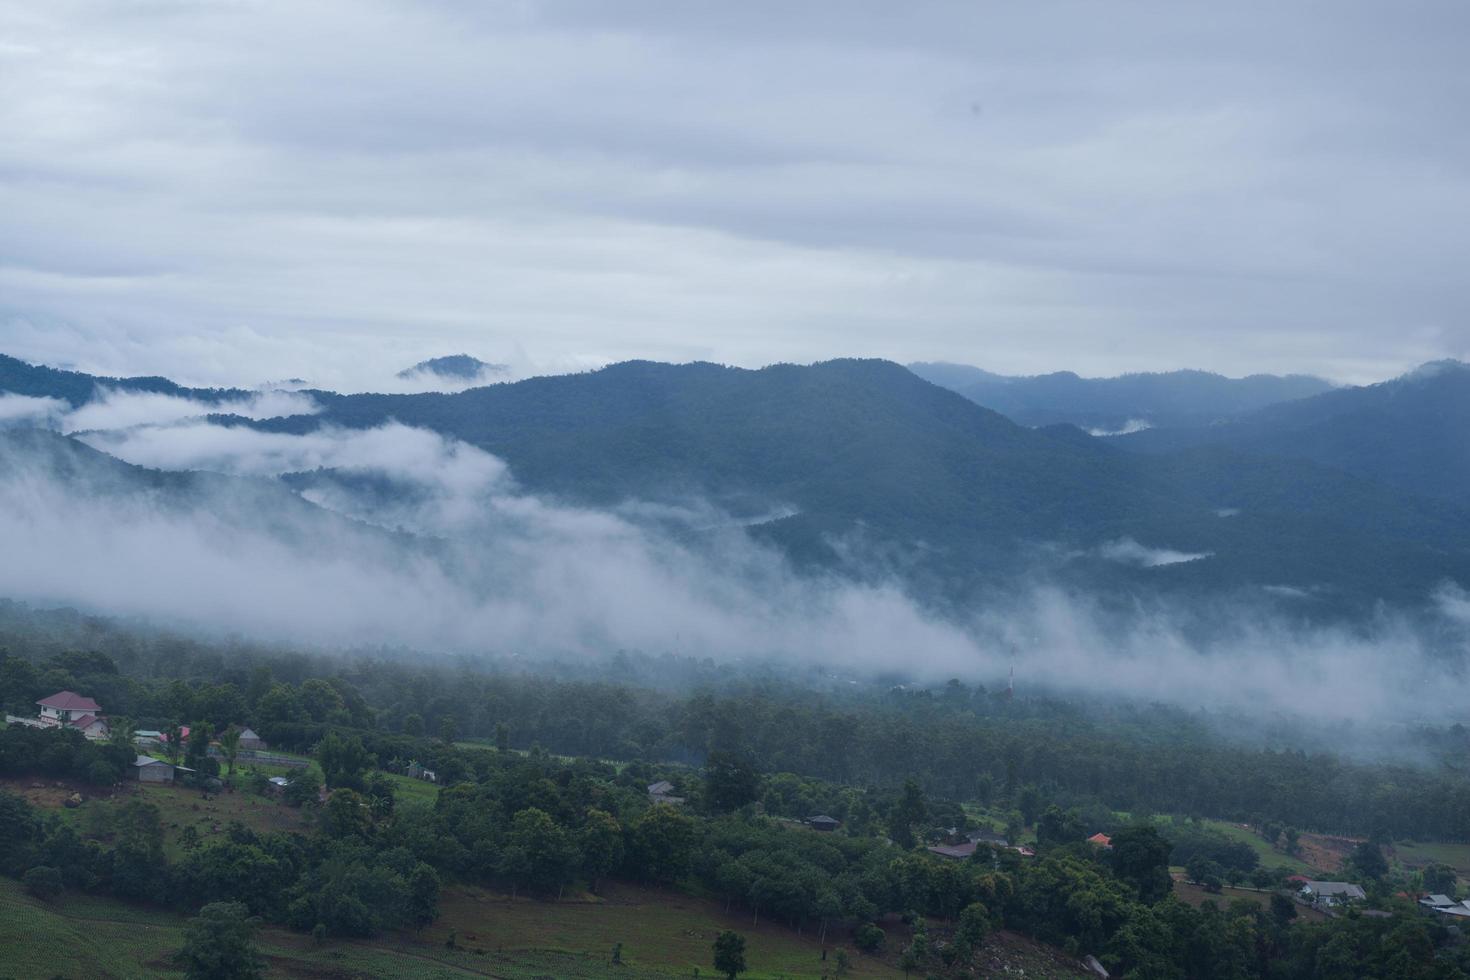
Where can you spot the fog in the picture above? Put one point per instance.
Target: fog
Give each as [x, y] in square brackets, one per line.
[114, 409]
[400, 536]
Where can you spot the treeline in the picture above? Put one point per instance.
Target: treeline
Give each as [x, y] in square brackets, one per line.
[536, 824]
[960, 742]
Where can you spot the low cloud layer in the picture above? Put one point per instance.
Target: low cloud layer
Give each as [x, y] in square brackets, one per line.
[29, 410]
[1126, 551]
[489, 568]
[117, 409]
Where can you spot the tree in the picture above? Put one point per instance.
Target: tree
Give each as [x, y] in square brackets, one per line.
[602, 846]
[413, 724]
[448, 729]
[869, 938]
[44, 883]
[304, 787]
[1292, 836]
[173, 743]
[907, 811]
[502, 737]
[219, 944]
[1029, 803]
[1369, 860]
[423, 895]
[974, 924]
[730, 782]
[343, 760]
[1140, 856]
[1439, 879]
[229, 743]
[1056, 826]
[121, 732]
[347, 814]
[538, 853]
[730, 954]
[662, 841]
[196, 754]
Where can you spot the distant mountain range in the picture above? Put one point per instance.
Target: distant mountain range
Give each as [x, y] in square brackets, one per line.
[455, 367]
[1411, 433]
[878, 470]
[1121, 404]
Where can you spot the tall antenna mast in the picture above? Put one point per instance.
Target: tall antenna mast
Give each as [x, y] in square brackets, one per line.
[1011, 687]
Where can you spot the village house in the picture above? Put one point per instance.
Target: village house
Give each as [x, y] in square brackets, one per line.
[147, 769]
[955, 852]
[1330, 894]
[67, 709]
[824, 823]
[251, 742]
[1101, 840]
[663, 792]
[416, 771]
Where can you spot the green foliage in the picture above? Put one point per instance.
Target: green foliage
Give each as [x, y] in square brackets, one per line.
[1140, 857]
[661, 843]
[343, 760]
[1368, 860]
[869, 938]
[303, 787]
[538, 854]
[730, 782]
[601, 845]
[44, 883]
[219, 944]
[730, 954]
[1441, 879]
[906, 812]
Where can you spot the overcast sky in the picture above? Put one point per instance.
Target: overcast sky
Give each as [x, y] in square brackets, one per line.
[235, 191]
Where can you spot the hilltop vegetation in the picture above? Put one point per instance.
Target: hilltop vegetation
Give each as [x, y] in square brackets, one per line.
[900, 769]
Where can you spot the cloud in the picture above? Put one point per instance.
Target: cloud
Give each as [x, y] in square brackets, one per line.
[1128, 428]
[593, 180]
[490, 569]
[1126, 551]
[25, 408]
[117, 409]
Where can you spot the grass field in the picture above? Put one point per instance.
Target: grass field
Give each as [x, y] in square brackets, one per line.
[1456, 856]
[1270, 857]
[664, 935]
[178, 808]
[1197, 896]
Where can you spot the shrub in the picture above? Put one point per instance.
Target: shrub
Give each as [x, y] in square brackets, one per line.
[44, 883]
[868, 938]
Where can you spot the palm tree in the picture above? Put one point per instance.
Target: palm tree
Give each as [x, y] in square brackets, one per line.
[173, 745]
[121, 731]
[229, 743]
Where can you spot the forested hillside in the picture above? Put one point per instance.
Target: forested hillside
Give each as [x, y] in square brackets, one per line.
[1112, 405]
[1407, 433]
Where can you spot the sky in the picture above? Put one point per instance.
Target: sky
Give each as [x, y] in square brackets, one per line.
[236, 192]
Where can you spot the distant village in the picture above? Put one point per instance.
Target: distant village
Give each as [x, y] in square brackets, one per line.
[68, 709]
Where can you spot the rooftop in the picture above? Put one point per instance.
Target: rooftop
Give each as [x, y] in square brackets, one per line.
[69, 701]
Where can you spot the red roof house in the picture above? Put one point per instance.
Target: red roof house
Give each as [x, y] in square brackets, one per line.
[63, 707]
[69, 701]
[1100, 840]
